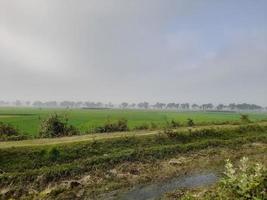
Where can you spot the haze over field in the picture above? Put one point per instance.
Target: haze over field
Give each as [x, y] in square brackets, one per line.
[134, 50]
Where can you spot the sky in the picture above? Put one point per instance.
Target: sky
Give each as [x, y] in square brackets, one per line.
[196, 51]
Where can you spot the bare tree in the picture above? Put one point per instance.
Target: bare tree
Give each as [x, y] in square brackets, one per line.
[208, 106]
[124, 105]
[195, 106]
[51, 104]
[159, 105]
[185, 106]
[220, 107]
[143, 105]
[37, 104]
[171, 106]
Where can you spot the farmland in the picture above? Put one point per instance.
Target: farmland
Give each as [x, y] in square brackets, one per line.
[113, 165]
[27, 120]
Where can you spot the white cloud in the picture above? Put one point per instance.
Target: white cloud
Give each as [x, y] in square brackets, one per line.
[133, 50]
[31, 54]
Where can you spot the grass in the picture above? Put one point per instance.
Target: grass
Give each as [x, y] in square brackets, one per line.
[39, 165]
[28, 119]
[101, 136]
[22, 159]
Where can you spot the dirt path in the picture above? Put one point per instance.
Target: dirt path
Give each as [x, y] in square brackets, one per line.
[97, 136]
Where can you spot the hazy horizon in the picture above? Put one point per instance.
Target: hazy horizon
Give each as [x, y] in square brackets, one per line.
[26, 102]
[155, 50]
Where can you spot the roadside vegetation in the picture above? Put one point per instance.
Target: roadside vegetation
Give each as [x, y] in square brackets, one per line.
[8, 132]
[118, 126]
[247, 181]
[56, 126]
[38, 166]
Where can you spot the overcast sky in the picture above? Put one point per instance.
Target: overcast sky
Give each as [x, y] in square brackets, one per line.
[134, 50]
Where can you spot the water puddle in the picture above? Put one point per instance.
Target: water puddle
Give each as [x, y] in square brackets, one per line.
[156, 190]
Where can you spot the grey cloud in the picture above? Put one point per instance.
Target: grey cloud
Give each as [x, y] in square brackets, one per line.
[132, 50]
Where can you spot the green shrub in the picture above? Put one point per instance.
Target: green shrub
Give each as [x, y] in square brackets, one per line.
[172, 124]
[143, 126]
[244, 118]
[248, 181]
[209, 132]
[7, 130]
[175, 124]
[14, 138]
[56, 126]
[170, 133]
[153, 126]
[118, 126]
[190, 122]
[8, 133]
[254, 127]
[53, 154]
[122, 125]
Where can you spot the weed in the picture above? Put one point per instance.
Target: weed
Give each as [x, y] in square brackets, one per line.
[118, 126]
[55, 126]
[190, 122]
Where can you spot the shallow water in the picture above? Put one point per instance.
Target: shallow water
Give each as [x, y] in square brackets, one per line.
[156, 190]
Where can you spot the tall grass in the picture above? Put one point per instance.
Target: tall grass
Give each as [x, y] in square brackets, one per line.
[25, 164]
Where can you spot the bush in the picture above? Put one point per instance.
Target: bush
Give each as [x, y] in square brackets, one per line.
[119, 126]
[122, 125]
[175, 124]
[55, 126]
[14, 138]
[172, 124]
[244, 118]
[8, 133]
[144, 126]
[170, 133]
[54, 154]
[248, 181]
[190, 122]
[252, 128]
[153, 126]
[7, 130]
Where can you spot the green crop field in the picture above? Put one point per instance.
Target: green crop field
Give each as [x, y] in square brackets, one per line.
[28, 120]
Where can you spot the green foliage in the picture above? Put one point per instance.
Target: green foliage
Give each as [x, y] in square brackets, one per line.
[244, 118]
[153, 126]
[190, 122]
[24, 165]
[170, 133]
[143, 126]
[248, 181]
[173, 124]
[56, 126]
[53, 154]
[7, 130]
[146, 126]
[118, 126]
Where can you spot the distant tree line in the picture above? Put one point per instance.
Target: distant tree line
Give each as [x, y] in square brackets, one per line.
[140, 105]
